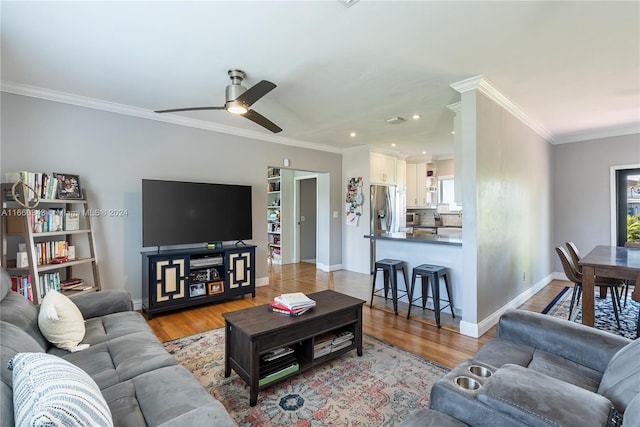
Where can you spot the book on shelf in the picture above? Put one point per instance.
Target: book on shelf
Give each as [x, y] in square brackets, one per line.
[22, 285]
[331, 341]
[38, 184]
[279, 374]
[71, 283]
[48, 282]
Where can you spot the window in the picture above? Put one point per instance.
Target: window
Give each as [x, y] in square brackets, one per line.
[628, 205]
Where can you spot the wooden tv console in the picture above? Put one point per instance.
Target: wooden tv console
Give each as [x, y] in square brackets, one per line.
[183, 278]
[253, 332]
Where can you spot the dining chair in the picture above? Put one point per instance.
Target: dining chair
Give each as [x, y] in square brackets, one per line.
[575, 258]
[629, 283]
[576, 277]
[635, 295]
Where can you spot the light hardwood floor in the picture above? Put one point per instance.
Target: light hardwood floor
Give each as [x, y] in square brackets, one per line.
[418, 335]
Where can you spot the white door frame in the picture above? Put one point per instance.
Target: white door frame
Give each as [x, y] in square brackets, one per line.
[296, 213]
[613, 199]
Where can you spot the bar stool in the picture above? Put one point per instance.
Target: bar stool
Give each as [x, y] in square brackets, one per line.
[390, 269]
[432, 273]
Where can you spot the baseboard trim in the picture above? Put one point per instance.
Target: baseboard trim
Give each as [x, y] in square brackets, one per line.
[328, 268]
[476, 330]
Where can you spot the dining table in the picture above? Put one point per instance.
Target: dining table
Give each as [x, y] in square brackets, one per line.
[605, 261]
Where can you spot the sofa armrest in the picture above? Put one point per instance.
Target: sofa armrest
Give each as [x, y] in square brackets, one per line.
[536, 399]
[97, 304]
[578, 343]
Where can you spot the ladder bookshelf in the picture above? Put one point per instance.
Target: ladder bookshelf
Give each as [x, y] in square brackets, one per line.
[17, 227]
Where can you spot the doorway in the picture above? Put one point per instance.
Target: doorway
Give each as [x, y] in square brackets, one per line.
[307, 219]
[627, 205]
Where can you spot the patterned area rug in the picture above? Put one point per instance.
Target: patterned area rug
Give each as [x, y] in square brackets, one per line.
[383, 387]
[604, 318]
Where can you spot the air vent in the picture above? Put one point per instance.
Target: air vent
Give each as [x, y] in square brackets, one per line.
[396, 120]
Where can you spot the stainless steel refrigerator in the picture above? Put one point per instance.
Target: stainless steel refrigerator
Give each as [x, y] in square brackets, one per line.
[385, 214]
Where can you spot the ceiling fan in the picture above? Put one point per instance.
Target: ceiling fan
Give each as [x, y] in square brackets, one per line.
[239, 99]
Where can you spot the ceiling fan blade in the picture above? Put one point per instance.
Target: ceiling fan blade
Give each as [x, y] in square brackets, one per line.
[173, 110]
[258, 118]
[256, 92]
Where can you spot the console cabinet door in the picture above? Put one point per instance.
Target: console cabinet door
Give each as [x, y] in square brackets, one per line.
[239, 269]
[169, 278]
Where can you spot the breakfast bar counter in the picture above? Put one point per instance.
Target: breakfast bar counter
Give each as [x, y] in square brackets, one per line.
[447, 239]
[416, 249]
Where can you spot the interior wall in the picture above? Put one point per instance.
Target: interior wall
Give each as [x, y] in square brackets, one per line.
[113, 152]
[582, 196]
[355, 253]
[514, 206]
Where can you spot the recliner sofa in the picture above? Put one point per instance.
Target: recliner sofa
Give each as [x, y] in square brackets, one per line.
[540, 371]
[142, 384]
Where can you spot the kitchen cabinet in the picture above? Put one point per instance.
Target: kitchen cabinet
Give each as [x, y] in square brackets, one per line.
[382, 169]
[417, 185]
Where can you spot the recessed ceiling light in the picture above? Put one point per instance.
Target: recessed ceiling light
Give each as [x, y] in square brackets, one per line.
[453, 132]
[393, 144]
[424, 152]
[353, 134]
[416, 116]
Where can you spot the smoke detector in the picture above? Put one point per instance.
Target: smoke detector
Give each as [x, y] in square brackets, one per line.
[396, 120]
[348, 3]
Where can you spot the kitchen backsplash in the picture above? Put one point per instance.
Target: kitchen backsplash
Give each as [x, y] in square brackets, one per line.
[427, 219]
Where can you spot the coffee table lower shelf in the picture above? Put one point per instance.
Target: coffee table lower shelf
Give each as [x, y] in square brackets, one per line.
[254, 332]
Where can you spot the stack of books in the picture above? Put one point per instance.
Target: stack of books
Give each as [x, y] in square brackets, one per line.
[293, 304]
[277, 364]
[330, 342]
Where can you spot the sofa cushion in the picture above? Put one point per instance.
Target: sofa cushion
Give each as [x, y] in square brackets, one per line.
[105, 328]
[17, 310]
[431, 418]
[536, 399]
[565, 370]
[61, 322]
[122, 358]
[621, 380]
[48, 390]
[632, 414]
[169, 396]
[13, 340]
[497, 352]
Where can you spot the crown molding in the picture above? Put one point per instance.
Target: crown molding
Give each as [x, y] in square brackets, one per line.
[456, 107]
[628, 129]
[482, 85]
[99, 104]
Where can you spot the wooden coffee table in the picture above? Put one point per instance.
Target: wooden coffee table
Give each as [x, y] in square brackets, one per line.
[253, 332]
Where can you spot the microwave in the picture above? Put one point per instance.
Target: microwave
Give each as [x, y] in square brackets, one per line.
[413, 218]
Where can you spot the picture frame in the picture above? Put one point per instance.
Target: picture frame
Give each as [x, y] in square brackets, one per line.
[216, 287]
[197, 290]
[68, 186]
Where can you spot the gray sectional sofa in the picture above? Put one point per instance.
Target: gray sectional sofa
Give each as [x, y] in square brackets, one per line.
[540, 371]
[142, 384]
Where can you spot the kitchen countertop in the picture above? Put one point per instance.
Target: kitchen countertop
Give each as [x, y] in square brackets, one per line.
[448, 239]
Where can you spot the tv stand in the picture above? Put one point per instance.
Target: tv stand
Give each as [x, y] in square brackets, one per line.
[181, 278]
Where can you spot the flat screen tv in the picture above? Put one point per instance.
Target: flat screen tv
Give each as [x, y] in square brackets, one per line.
[176, 213]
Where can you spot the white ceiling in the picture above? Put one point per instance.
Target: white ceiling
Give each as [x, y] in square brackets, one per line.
[571, 67]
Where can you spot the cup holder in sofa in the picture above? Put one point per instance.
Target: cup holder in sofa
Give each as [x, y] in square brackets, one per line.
[480, 371]
[467, 383]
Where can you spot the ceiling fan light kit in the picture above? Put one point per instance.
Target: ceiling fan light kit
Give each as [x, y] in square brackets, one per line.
[238, 99]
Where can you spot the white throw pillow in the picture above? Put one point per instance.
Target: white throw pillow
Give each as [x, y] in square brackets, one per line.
[48, 390]
[61, 322]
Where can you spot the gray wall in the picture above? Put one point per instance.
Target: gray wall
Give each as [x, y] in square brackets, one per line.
[113, 152]
[582, 193]
[513, 191]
